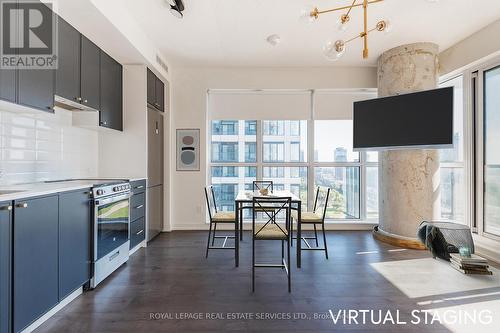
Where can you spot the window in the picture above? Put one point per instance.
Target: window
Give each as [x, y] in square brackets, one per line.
[282, 156]
[222, 171]
[295, 152]
[225, 127]
[333, 141]
[250, 127]
[250, 152]
[338, 167]
[228, 181]
[274, 172]
[453, 194]
[274, 152]
[224, 152]
[274, 127]
[284, 141]
[292, 179]
[371, 192]
[344, 196]
[295, 128]
[491, 159]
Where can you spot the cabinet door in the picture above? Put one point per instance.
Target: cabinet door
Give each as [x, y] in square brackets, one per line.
[36, 86]
[151, 87]
[8, 85]
[5, 265]
[160, 95]
[111, 111]
[8, 78]
[74, 241]
[68, 70]
[90, 69]
[35, 263]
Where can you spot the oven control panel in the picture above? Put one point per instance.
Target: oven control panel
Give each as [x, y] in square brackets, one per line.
[104, 190]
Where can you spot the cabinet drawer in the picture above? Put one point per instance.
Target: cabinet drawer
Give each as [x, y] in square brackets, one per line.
[138, 186]
[137, 206]
[137, 232]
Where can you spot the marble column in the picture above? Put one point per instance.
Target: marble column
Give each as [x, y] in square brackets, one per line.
[408, 179]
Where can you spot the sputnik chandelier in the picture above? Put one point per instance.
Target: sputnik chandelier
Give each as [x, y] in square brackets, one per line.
[334, 50]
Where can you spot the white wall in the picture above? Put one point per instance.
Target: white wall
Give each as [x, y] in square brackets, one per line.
[189, 110]
[482, 44]
[38, 146]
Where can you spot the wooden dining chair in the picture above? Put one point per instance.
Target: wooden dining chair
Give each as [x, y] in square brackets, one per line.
[215, 218]
[317, 216]
[271, 230]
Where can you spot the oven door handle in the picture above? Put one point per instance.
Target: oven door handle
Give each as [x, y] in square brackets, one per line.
[105, 201]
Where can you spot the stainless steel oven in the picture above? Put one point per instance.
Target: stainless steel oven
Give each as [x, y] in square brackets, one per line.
[111, 229]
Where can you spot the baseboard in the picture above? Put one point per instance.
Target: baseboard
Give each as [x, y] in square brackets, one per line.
[248, 226]
[53, 311]
[487, 248]
[137, 247]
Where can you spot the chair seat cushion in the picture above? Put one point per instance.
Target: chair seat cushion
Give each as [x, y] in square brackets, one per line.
[271, 231]
[308, 217]
[226, 217]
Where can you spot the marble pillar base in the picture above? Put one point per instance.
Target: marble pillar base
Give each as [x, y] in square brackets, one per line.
[396, 240]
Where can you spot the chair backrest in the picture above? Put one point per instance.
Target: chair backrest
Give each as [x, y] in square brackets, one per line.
[321, 203]
[211, 204]
[271, 207]
[263, 184]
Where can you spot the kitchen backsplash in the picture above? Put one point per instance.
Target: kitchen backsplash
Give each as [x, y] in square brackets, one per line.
[42, 146]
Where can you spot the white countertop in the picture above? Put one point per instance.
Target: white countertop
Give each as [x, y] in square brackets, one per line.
[23, 191]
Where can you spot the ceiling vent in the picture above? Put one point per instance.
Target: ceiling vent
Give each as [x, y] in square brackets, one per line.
[162, 63]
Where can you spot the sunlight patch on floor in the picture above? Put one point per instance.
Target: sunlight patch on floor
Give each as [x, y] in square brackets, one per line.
[430, 277]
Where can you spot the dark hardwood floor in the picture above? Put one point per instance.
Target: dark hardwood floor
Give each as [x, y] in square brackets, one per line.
[171, 277]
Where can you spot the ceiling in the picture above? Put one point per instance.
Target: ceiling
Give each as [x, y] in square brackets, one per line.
[233, 32]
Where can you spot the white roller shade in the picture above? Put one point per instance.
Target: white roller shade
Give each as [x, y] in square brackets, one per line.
[338, 105]
[259, 105]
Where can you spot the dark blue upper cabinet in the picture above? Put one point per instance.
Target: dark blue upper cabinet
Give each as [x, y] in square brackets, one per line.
[111, 115]
[74, 241]
[35, 259]
[156, 91]
[5, 265]
[68, 70]
[35, 87]
[8, 81]
[90, 69]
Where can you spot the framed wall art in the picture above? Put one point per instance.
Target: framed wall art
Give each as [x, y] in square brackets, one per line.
[188, 149]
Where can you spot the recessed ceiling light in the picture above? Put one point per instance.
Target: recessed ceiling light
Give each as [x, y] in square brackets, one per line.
[273, 39]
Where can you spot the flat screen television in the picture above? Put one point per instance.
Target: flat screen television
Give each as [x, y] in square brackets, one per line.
[417, 120]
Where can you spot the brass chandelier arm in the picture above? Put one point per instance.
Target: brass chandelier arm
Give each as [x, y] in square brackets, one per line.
[361, 35]
[350, 8]
[342, 8]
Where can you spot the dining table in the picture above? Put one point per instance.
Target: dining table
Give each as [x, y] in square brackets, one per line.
[244, 200]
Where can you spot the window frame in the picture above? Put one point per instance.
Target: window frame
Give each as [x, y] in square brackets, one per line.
[459, 164]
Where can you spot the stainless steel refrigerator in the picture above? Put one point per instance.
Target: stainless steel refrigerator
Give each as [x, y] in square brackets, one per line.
[155, 173]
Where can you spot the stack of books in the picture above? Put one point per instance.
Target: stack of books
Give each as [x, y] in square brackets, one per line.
[470, 265]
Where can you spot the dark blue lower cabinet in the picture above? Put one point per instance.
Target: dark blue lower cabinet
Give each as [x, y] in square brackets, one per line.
[35, 259]
[74, 241]
[5, 265]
